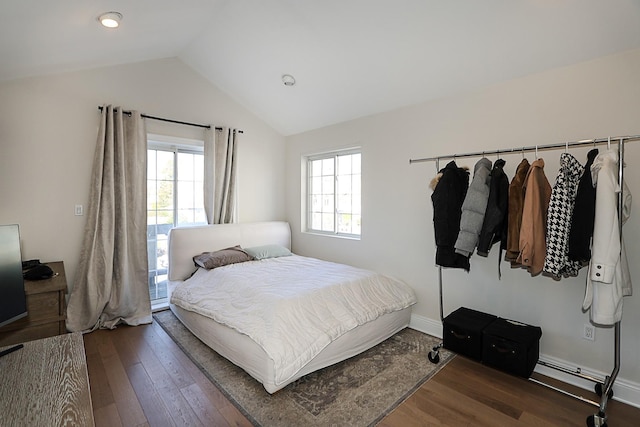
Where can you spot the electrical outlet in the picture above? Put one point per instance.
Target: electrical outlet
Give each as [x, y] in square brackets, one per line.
[589, 332]
[79, 210]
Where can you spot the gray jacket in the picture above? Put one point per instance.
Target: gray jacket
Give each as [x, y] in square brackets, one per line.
[473, 208]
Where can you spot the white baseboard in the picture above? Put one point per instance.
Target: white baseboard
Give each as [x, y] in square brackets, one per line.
[623, 390]
[426, 325]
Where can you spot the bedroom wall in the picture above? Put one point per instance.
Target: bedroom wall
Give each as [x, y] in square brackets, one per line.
[593, 99]
[48, 128]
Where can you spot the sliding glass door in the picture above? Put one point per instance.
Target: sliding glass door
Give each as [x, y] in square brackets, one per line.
[174, 198]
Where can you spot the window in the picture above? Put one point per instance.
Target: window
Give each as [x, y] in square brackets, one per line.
[333, 193]
[175, 174]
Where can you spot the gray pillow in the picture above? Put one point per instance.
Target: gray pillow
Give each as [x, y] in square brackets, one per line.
[268, 251]
[215, 259]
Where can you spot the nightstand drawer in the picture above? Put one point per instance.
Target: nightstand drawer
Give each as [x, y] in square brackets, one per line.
[30, 333]
[43, 306]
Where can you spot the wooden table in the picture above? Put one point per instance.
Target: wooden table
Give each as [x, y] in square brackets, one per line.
[46, 384]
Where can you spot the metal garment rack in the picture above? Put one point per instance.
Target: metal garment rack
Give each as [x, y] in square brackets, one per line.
[604, 388]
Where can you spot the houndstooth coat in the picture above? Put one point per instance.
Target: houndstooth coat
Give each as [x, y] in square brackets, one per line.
[563, 196]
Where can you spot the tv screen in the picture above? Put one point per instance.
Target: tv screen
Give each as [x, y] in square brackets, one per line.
[13, 302]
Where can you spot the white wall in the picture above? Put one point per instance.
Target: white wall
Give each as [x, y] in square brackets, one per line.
[593, 99]
[48, 128]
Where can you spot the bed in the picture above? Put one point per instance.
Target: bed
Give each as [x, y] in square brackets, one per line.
[266, 349]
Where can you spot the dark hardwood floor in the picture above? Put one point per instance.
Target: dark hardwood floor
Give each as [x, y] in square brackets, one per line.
[466, 393]
[140, 377]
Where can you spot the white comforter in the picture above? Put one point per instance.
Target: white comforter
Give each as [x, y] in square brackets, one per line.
[291, 306]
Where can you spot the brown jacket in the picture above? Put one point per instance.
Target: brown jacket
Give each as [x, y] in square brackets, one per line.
[516, 201]
[533, 231]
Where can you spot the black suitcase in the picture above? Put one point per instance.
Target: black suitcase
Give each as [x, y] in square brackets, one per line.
[511, 346]
[462, 331]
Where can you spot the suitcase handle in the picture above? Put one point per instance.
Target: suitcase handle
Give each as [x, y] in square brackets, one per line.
[460, 336]
[502, 349]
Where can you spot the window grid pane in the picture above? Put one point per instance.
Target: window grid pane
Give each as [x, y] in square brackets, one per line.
[315, 168]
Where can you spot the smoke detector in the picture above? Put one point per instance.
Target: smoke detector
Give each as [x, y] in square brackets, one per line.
[288, 80]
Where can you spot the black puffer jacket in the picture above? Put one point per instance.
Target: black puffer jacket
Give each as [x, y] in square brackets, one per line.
[495, 225]
[449, 190]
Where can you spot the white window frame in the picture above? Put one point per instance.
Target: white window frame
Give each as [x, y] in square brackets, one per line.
[308, 212]
[175, 145]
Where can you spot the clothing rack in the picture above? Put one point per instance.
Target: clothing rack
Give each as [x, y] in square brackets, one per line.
[179, 122]
[604, 387]
[530, 148]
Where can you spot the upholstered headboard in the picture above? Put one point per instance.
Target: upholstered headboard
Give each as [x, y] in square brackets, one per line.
[186, 242]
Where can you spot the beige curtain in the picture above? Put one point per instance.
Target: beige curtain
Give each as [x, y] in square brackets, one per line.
[220, 163]
[111, 284]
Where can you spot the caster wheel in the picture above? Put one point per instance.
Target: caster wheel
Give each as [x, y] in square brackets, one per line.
[598, 390]
[434, 357]
[591, 422]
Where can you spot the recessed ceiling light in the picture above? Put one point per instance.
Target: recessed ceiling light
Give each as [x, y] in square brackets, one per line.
[110, 19]
[288, 80]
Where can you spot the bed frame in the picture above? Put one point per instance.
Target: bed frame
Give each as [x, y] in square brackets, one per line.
[185, 242]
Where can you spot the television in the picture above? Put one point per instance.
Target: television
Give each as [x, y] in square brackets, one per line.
[13, 301]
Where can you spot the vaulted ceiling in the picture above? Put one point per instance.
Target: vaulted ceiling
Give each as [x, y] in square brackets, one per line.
[350, 58]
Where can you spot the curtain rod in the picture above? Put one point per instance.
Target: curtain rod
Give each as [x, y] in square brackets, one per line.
[530, 148]
[146, 116]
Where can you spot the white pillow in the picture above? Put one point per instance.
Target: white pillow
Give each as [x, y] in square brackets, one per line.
[268, 251]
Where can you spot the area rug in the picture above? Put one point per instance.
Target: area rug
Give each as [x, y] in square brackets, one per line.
[359, 391]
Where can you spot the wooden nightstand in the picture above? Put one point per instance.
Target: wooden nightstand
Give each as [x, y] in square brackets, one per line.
[46, 307]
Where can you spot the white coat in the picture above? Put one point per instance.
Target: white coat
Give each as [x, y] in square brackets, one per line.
[608, 279]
